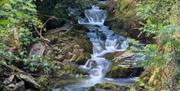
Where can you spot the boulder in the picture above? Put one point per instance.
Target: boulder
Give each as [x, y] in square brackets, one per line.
[125, 64]
[120, 71]
[127, 58]
[37, 49]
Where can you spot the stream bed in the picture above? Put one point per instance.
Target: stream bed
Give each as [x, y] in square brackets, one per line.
[103, 41]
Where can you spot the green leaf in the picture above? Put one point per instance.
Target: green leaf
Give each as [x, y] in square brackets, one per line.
[3, 13]
[132, 89]
[13, 2]
[3, 2]
[5, 22]
[7, 6]
[19, 14]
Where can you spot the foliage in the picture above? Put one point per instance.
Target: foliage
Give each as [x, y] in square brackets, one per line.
[18, 15]
[39, 64]
[60, 9]
[157, 15]
[125, 10]
[160, 17]
[18, 21]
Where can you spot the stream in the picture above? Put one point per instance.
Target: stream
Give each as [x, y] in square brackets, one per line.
[103, 41]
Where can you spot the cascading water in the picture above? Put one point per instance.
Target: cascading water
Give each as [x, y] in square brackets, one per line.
[103, 41]
[98, 66]
[94, 16]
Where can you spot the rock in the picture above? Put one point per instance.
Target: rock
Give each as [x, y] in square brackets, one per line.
[9, 80]
[20, 86]
[37, 49]
[111, 87]
[125, 58]
[92, 64]
[124, 72]
[111, 56]
[124, 65]
[92, 89]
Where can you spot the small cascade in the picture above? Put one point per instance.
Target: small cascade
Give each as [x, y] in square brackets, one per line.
[103, 41]
[98, 66]
[94, 16]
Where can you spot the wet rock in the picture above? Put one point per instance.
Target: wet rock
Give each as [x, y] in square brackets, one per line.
[111, 87]
[92, 89]
[92, 64]
[120, 71]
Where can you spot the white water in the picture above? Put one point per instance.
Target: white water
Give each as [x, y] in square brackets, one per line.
[103, 41]
[98, 66]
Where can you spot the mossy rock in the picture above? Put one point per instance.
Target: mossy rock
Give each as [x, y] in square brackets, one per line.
[112, 87]
[92, 88]
[124, 72]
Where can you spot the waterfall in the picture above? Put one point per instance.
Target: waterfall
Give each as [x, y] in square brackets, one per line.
[98, 66]
[94, 16]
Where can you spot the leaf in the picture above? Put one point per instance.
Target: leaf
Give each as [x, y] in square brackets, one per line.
[7, 6]
[19, 14]
[3, 2]
[5, 22]
[13, 2]
[3, 13]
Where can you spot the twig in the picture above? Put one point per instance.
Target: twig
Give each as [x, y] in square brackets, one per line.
[44, 24]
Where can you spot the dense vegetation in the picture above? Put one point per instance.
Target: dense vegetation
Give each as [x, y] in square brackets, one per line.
[25, 22]
[159, 18]
[20, 27]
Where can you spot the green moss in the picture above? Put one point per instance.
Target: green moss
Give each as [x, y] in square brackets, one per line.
[133, 41]
[109, 56]
[44, 81]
